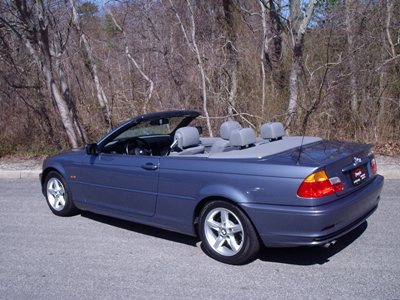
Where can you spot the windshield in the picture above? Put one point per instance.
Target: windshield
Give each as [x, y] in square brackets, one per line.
[162, 126]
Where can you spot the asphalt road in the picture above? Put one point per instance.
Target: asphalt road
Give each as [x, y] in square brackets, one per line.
[92, 257]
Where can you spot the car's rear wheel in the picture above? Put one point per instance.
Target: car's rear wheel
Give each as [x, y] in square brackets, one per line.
[58, 195]
[227, 234]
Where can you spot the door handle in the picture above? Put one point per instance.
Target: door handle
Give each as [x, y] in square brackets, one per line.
[150, 166]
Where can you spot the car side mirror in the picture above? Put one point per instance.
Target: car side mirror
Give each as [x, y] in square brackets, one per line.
[91, 149]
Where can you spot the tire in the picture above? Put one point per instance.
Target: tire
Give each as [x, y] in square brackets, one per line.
[227, 234]
[58, 195]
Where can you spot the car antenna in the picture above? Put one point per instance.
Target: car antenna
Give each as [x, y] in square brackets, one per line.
[303, 133]
[300, 149]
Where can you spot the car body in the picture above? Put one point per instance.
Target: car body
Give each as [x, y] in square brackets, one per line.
[237, 191]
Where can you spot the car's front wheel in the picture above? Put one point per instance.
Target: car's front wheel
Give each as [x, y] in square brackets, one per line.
[58, 195]
[227, 234]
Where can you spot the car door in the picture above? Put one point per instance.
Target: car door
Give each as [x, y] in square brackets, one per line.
[121, 184]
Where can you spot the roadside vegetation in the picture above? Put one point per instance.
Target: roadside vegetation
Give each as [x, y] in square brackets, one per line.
[72, 70]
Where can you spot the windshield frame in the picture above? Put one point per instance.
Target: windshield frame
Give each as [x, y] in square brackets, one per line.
[186, 117]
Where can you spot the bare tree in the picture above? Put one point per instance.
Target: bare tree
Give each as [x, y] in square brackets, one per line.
[150, 87]
[192, 44]
[389, 14]
[159, 32]
[262, 57]
[101, 96]
[350, 34]
[38, 32]
[298, 25]
[232, 18]
[273, 29]
[387, 41]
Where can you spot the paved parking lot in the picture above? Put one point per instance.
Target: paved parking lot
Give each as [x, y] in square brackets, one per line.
[92, 257]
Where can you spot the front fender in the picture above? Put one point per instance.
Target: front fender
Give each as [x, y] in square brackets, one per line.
[49, 165]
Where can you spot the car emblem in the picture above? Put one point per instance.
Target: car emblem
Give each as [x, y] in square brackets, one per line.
[357, 161]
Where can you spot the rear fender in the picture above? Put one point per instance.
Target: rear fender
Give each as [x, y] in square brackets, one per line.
[222, 191]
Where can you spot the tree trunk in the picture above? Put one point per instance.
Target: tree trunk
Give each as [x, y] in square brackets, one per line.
[293, 90]
[272, 29]
[262, 56]
[232, 93]
[66, 94]
[101, 96]
[350, 12]
[193, 47]
[383, 76]
[389, 12]
[56, 95]
[231, 19]
[43, 56]
[298, 25]
[201, 68]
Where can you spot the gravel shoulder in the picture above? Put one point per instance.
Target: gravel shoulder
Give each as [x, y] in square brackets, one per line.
[389, 166]
[14, 163]
[14, 167]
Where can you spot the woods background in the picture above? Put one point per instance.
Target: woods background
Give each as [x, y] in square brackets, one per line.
[70, 71]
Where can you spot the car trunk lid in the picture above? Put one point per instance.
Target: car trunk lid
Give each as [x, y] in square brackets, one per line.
[351, 162]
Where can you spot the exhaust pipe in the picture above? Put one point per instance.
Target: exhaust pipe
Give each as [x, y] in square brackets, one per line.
[331, 243]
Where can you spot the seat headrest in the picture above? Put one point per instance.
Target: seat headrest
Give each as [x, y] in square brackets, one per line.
[227, 127]
[187, 137]
[272, 131]
[242, 137]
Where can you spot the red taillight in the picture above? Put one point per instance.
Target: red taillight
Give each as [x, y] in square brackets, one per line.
[374, 166]
[318, 185]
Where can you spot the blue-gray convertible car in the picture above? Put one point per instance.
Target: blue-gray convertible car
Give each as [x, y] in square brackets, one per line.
[237, 192]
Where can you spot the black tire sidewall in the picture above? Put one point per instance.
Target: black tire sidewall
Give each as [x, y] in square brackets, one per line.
[69, 208]
[251, 243]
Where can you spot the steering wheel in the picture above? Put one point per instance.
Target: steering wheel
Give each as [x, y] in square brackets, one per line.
[138, 146]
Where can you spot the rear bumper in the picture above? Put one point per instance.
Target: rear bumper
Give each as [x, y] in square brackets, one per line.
[289, 226]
